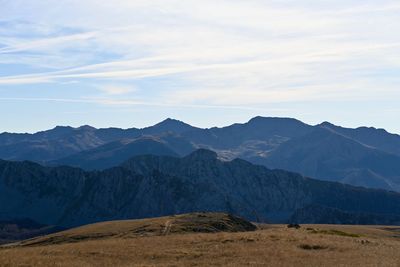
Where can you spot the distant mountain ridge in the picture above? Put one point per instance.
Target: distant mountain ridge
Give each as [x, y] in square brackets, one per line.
[363, 157]
[329, 156]
[149, 186]
[377, 138]
[115, 153]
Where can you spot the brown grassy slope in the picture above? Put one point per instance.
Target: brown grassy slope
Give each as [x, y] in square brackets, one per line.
[276, 245]
[201, 222]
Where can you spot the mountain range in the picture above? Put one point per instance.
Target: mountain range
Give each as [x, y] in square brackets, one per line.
[151, 186]
[364, 156]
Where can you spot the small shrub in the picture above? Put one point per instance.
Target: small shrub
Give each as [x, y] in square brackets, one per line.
[312, 247]
[293, 225]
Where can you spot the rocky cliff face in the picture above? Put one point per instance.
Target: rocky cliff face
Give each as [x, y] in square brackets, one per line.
[148, 186]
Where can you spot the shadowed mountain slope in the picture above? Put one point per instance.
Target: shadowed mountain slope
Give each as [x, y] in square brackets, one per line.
[151, 186]
[18, 229]
[258, 128]
[115, 153]
[377, 138]
[328, 156]
[316, 214]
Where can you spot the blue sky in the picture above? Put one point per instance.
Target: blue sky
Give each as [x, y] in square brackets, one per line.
[208, 63]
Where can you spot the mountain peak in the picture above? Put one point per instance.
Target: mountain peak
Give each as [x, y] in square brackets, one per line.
[57, 130]
[326, 123]
[328, 126]
[86, 128]
[260, 119]
[169, 125]
[169, 121]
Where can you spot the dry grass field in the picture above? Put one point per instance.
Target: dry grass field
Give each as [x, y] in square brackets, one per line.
[173, 241]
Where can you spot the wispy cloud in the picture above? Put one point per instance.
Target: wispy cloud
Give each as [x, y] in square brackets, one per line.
[116, 89]
[133, 102]
[46, 43]
[200, 53]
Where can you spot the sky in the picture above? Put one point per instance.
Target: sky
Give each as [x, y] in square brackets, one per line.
[206, 62]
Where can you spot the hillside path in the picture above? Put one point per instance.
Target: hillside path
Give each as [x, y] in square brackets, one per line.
[167, 227]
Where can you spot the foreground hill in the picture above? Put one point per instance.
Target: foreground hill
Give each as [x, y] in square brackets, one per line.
[150, 186]
[161, 226]
[362, 157]
[171, 241]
